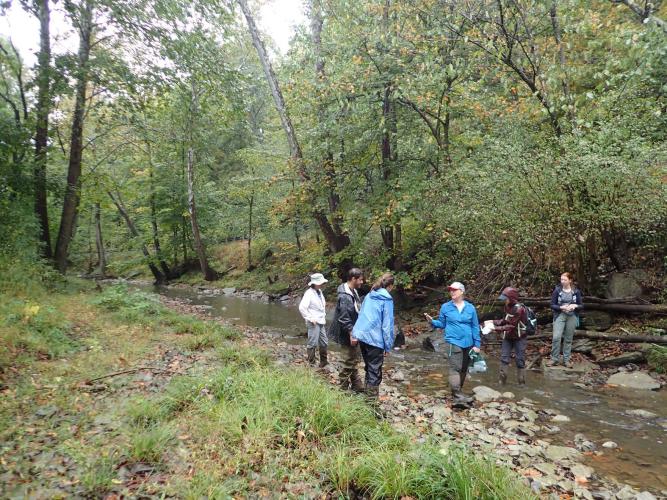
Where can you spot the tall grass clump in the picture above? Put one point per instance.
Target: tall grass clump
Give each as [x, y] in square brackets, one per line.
[134, 306]
[657, 358]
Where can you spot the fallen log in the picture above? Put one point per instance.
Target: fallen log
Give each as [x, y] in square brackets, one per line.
[610, 337]
[609, 307]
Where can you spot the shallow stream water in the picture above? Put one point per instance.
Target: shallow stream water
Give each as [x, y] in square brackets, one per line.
[640, 459]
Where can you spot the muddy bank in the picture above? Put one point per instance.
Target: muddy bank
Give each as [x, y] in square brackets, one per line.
[520, 432]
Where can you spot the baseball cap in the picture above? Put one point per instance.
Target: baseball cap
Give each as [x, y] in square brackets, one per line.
[457, 285]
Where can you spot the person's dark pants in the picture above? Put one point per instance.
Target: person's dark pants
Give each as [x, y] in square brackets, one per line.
[458, 359]
[373, 361]
[349, 375]
[519, 348]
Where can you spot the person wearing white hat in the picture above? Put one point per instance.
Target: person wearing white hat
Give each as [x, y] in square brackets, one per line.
[313, 310]
[458, 319]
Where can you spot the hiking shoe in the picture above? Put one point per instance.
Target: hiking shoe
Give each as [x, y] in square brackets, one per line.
[551, 362]
[568, 364]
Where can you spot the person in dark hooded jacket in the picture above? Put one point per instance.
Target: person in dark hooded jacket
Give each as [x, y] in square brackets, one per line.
[340, 331]
[513, 331]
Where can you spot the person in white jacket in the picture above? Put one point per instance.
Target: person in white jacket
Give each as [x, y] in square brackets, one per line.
[313, 310]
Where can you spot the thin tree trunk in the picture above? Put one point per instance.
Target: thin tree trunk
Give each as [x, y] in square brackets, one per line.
[73, 189]
[157, 274]
[99, 242]
[209, 274]
[335, 241]
[156, 237]
[42, 127]
[250, 207]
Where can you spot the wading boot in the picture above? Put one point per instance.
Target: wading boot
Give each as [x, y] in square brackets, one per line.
[324, 357]
[521, 376]
[310, 351]
[356, 382]
[372, 393]
[460, 400]
[502, 376]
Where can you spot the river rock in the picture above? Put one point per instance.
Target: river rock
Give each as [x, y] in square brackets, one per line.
[623, 359]
[508, 395]
[484, 394]
[397, 376]
[609, 445]
[581, 470]
[626, 493]
[597, 321]
[560, 418]
[438, 413]
[229, 291]
[634, 380]
[641, 413]
[584, 346]
[645, 495]
[557, 453]
[623, 285]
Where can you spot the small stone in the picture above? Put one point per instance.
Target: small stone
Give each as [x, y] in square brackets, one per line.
[626, 493]
[397, 376]
[641, 413]
[609, 444]
[601, 495]
[634, 380]
[645, 495]
[558, 453]
[560, 418]
[581, 470]
[485, 394]
[46, 411]
[508, 395]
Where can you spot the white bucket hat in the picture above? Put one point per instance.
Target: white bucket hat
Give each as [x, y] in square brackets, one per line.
[317, 279]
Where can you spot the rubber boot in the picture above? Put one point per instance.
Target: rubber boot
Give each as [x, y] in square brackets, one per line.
[521, 376]
[311, 355]
[356, 382]
[460, 400]
[372, 393]
[324, 357]
[502, 376]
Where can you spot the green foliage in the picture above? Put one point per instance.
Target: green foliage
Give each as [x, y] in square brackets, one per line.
[149, 444]
[133, 305]
[657, 358]
[99, 475]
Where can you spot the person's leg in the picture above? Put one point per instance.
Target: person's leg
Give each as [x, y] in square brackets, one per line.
[568, 335]
[373, 361]
[455, 364]
[559, 326]
[349, 374]
[520, 350]
[311, 345]
[323, 342]
[464, 364]
[505, 353]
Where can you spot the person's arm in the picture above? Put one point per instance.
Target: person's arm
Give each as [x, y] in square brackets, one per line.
[508, 324]
[441, 322]
[555, 306]
[476, 338]
[579, 300]
[303, 306]
[388, 325]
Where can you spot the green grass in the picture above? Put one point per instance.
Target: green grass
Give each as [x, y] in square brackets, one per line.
[657, 358]
[149, 444]
[99, 475]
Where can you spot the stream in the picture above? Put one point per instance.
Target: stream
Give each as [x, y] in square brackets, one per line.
[640, 459]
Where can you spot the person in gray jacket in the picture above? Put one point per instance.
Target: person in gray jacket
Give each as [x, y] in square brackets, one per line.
[340, 330]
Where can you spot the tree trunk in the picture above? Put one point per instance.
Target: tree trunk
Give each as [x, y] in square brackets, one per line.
[209, 274]
[101, 254]
[42, 126]
[608, 337]
[159, 277]
[154, 226]
[250, 206]
[73, 189]
[335, 241]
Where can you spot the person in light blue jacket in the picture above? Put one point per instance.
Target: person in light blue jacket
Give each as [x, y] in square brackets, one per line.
[458, 319]
[374, 330]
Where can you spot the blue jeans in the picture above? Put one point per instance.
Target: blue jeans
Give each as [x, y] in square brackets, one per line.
[564, 326]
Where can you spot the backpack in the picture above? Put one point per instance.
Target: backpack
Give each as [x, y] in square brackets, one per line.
[531, 325]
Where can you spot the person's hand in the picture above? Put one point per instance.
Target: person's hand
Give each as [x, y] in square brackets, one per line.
[353, 341]
[386, 354]
[429, 318]
[476, 349]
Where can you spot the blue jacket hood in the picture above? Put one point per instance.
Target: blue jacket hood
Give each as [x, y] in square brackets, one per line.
[381, 294]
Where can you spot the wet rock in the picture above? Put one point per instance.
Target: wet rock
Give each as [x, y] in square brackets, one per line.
[485, 394]
[602, 495]
[438, 413]
[582, 443]
[397, 376]
[609, 445]
[580, 492]
[581, 470]
[229, 291]
[645, 495]
[634, 380]
[623, 359]
[559, 453]
[626, 493]
[560, 418]
[508, 395]
[641, 413]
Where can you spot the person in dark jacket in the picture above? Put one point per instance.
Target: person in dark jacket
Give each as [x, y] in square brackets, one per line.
[565, 304]
[513, 331]
[374, 330]
[340, 330]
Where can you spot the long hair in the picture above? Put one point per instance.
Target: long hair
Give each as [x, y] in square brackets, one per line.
[568, 275]
[384, 281]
